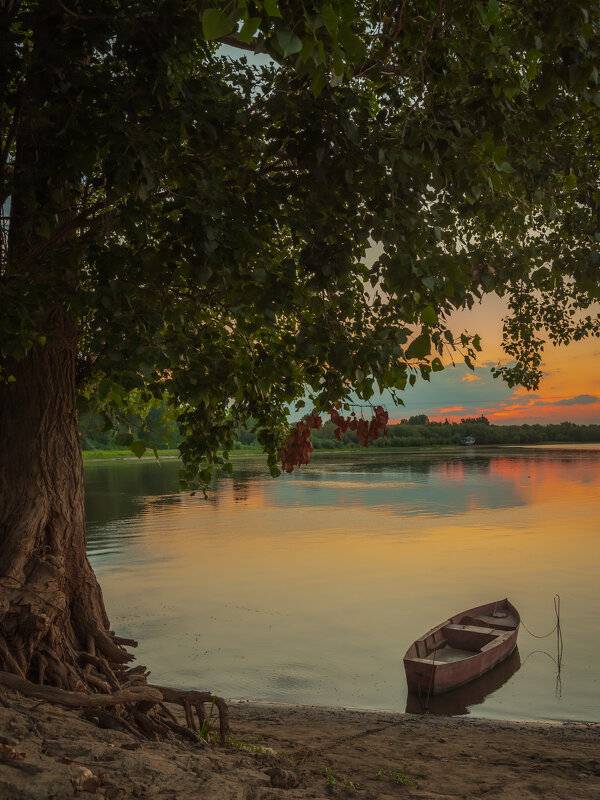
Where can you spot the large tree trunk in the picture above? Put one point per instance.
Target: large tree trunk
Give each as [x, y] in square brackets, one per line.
[54, 630]
[53, 624]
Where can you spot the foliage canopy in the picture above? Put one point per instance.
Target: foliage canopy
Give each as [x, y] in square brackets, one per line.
[208, 222]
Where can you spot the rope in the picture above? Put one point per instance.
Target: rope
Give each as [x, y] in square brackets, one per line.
[424, 701]
[559, 644]
[425, 706]
[555, 628]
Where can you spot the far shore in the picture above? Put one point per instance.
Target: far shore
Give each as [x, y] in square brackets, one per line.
[173, 454]
[292, 752]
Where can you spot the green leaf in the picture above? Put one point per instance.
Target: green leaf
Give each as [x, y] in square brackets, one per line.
[272, 8]
[318, 83]
[570, 182]
[248, 30]
[138, 448]
[419, 347]
[288, 42]
[124, 439]
[436, 365]
[308, 46]
[215, 24]
[428, 316]
[477, 343]
[352, 44]
[330, 18]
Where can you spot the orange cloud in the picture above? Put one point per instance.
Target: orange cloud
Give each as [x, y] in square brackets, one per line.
[570, 386]
[547, 409]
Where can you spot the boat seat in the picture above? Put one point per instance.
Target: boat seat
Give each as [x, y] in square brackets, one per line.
[447, 655]
[501, 636]
[506, 623]
[475, 621]
[470, 629]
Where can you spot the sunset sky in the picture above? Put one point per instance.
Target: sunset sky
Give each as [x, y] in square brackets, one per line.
[570, 389]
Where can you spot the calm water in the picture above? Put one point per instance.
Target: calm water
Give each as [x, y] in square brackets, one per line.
[310, 588]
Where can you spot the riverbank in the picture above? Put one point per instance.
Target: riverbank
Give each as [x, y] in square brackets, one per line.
[344, 450]
[279, 751]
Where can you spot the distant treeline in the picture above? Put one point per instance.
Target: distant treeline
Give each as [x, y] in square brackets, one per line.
[415, 431]
[420, 432]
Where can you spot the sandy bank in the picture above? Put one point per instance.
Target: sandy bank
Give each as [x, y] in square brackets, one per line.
[298, 752]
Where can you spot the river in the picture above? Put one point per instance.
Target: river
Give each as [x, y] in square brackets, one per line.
[310, 588]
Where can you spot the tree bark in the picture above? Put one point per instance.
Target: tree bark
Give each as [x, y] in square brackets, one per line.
[54, 630]
[51, 607]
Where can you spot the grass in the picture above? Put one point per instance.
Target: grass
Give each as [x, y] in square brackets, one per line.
[330, 778]
[393, 775]
[104, 455]
[206, 729]
[257, 747]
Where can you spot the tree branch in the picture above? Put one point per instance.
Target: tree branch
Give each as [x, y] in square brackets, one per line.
[12, 130]
[233, 41]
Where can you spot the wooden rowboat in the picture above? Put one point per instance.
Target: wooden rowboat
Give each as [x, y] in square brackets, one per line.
[462, 648]
[461, 700]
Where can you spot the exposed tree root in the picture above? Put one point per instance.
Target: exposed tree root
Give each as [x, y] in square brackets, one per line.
[79, 699]
[104, 719]
[138, 709]
[191, 700]
[55, 637]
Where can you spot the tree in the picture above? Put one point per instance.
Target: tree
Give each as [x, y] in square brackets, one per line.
[419, 419]
[180, 226]
[480, 420]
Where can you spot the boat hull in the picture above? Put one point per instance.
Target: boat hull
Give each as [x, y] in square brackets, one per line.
[462, 648]
[462, 699]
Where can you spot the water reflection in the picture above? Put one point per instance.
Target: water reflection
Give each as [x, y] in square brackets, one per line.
[310, 588]
[423, 482]
[460, 701]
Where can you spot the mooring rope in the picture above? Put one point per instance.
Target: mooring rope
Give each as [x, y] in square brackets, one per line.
[555, 628]
[559, 644]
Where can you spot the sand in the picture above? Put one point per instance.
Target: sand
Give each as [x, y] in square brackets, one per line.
[279, 751]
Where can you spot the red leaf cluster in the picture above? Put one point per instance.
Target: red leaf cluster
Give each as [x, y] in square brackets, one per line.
[298, 447]
[366, 431]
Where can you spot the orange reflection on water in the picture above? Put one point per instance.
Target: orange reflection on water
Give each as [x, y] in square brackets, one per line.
[557, 480]
[269, 582]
